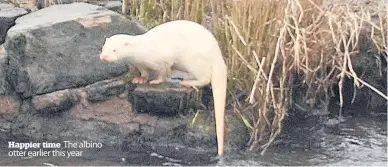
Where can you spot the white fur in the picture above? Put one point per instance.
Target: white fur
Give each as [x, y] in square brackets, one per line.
[182, 45]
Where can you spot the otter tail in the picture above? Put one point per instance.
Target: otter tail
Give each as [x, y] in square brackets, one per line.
[219, 85]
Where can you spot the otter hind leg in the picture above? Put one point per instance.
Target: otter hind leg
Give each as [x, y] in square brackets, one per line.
[162, 75]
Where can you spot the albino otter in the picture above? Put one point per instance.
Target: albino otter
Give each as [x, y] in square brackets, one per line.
[182, 45]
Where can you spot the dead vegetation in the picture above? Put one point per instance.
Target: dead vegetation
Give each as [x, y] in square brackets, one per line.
[267, 43]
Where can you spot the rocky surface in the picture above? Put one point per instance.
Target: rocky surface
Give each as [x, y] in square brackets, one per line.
[39, 4]
[65, 99]
[58, 47]
[75, 114]
[9, 101]
[164, 99]
[113, 5]
[8, 14]
[4, 85]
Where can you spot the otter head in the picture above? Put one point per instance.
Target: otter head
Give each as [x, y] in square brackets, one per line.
[115, 48]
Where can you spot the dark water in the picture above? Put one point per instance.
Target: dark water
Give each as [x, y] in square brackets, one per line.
[356, 141]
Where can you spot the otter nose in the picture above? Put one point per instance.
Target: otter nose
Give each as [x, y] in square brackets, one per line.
[104, 57]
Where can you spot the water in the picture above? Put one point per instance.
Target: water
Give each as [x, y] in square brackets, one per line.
[358, 140]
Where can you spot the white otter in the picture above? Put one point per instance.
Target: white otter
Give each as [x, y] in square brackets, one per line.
[182, 45]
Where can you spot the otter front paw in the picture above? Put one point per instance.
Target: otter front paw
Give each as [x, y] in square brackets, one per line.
[189, 84]
[139, 80]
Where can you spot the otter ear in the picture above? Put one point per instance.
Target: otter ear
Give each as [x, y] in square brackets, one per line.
[106, 39]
